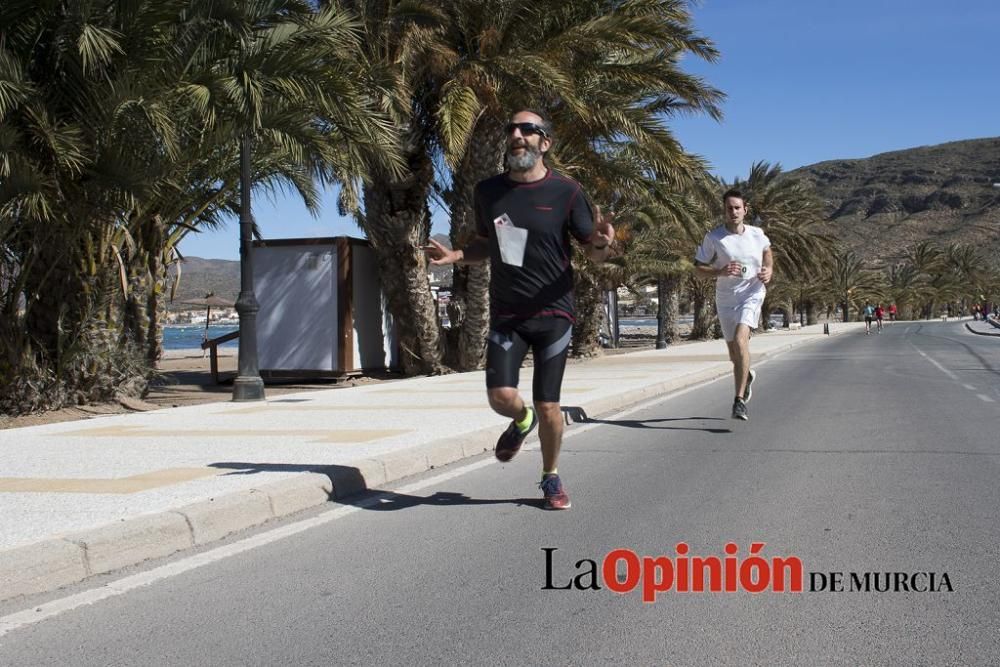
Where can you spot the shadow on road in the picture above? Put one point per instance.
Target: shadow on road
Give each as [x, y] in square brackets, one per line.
[389, 501]
[577, 415]
[356, 494]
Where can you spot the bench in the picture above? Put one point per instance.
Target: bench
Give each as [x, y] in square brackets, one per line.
[212, 345]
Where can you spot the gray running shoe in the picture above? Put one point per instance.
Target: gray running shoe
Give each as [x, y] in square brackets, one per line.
[748, 392]
[740, 410]
[555, 494]
[511, 440]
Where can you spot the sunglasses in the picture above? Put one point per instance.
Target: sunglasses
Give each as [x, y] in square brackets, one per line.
[526, 129]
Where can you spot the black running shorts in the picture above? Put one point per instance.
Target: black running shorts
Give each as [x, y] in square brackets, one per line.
[508, 343]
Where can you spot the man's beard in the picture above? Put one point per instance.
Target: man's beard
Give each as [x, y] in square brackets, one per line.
[523, 161]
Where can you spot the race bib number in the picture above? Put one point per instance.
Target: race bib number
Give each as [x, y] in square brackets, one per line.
[512, 240]
[748, 267]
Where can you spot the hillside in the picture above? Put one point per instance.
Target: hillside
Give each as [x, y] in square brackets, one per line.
[881, 205]
[202, 276]
[878, 206]
[222, 277]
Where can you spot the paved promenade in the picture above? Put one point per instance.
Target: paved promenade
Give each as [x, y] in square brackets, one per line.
[88, 497]
[990, 327]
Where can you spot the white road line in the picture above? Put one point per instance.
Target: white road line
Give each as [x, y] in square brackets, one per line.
[126, 584]
[985, 398]
[907, 330]
[939, 366]
[969, 387]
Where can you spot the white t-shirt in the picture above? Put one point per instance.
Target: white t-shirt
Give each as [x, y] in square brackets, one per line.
[720, 247]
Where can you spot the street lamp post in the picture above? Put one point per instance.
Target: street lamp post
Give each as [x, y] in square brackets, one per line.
[248, 385]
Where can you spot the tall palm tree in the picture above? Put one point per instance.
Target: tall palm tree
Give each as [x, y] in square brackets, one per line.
[850, 284]
[906, 287]
[403, 51]
[608, 73]
[931, 263]
[662, 238]
[123, 131]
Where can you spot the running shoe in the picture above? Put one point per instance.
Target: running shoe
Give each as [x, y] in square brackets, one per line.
[511, 440]
[740, 410]
[748, 392]
[555, 494]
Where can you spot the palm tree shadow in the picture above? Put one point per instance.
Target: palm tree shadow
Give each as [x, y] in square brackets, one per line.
[578, 415]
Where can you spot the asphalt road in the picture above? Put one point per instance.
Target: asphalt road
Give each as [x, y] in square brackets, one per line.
[863, 454]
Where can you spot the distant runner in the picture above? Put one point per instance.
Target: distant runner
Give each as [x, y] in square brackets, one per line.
[879, 314]
[738, 256]
[869, 313]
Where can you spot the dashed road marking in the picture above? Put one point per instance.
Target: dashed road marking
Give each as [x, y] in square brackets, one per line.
[939, 366]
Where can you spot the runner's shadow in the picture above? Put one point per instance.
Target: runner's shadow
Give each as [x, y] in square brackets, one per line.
[350, 488]
[578, 415]
[646, 423]
[390, 501]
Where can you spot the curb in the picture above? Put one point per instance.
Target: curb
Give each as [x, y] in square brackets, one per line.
[982, 333]
[53, 563]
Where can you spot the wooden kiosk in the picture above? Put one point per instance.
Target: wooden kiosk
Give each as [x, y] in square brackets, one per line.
[322, 309]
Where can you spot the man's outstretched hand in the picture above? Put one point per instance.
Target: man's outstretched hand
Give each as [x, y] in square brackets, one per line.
[604, 232]
[440, 255]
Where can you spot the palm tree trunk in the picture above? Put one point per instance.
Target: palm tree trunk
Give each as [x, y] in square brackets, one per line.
[156, 305]
[397, 223]
[588, 297]
[76, 351]
[811, 317]
[469, 308]
[668, 310]
[702, 310]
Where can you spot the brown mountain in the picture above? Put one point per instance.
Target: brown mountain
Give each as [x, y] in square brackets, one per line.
[222, 277]
[203, 276]
[881, 205]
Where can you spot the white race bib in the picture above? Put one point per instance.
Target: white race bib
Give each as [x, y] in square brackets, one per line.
[512, 240]
[749, 267]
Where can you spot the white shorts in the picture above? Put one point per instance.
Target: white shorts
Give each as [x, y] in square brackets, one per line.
[746, 312]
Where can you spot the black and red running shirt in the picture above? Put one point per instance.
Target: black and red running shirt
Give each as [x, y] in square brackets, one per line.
[551, 209]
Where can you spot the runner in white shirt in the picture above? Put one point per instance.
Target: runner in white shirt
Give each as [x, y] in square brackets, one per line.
[739, 257]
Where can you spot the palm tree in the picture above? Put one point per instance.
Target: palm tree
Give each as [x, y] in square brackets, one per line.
[663, 236]
[930, 262]
[605, 71]
[123, 134]
[850, 284]
[905, 287]
[967, 266]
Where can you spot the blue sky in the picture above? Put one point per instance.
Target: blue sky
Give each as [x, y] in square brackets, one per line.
[805, 80]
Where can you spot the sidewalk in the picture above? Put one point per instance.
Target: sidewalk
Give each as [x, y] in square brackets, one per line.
[84, 498]
[989, 327]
